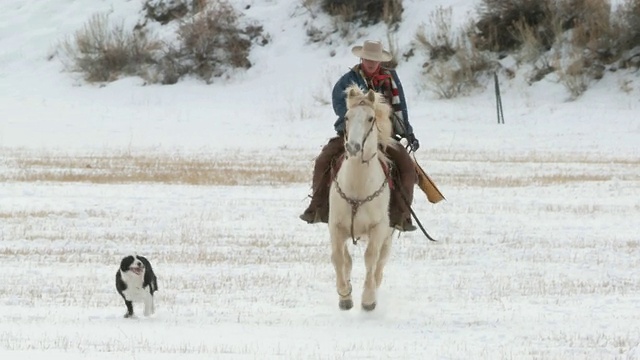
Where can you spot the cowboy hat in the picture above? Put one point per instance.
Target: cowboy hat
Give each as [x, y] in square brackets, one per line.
[372, 50]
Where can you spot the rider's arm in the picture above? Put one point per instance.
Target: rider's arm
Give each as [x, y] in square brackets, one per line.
[403, 106]
[338, 98]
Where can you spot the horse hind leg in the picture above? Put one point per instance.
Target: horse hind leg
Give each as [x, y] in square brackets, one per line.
[341, 262]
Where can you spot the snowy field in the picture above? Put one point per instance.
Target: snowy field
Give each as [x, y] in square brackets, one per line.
[539, 244]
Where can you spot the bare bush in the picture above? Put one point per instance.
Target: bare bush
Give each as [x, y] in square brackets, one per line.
[460, 74]
[367, 11]
[393, 49]
[164, 11]
[439, 42]
[628, 24]
[541, 68]
[531, 45]
[210, 42]
[591, 28]
[499, 19]
[102, 52]
[573, 71]
[587, 45]
[455, 65]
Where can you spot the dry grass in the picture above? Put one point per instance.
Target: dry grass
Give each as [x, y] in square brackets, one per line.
[492, 181]
[530, 157]
[168, 169]
[251, 169]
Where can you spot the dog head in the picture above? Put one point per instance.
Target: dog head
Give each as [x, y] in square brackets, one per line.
[134, 264]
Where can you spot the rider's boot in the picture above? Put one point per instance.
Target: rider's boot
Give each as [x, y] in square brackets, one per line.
[318, 209]
[402, 192]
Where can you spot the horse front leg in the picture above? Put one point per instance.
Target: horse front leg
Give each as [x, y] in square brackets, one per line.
[382, 260]
[342, 264]
[371, 257]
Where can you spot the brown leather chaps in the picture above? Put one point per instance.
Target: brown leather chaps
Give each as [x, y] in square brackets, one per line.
[403, 174]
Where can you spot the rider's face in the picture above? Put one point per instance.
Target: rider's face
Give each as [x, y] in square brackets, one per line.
[370, 66]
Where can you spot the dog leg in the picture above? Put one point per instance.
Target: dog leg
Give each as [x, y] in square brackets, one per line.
[129, 312]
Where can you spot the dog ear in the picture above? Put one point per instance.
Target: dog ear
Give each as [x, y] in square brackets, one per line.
[144, 261]
[148, 273]
[126, 262]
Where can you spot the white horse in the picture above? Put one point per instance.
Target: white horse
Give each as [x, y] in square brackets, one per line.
[359, 195]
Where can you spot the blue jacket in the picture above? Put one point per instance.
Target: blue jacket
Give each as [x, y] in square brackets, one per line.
[340, 105]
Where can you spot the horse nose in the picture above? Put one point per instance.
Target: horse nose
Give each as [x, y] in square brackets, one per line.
[353, 148]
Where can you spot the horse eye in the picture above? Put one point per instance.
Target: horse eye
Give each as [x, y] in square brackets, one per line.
[370, 118]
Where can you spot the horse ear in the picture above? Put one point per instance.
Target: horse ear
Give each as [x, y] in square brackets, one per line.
[371, 96]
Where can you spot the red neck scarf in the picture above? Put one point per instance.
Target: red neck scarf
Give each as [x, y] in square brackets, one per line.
[376, 79]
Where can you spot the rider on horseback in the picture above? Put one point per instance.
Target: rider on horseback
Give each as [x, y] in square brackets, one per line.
[369, 74]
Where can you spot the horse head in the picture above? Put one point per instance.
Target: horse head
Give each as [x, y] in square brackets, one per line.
[367, 122]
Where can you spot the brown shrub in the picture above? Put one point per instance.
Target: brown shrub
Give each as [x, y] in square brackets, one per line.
[627, 24]
[210, 42]
[104, 53]
[439, 43]
[499, 19]
[455, 65]
[367, 11]
[164, 11]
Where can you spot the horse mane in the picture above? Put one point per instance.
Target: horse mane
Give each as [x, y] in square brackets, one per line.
[356, 97]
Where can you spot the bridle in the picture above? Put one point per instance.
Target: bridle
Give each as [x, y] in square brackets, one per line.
[364, 139]
[356, 203]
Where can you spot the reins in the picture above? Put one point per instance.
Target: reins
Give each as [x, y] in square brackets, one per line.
[406, 201]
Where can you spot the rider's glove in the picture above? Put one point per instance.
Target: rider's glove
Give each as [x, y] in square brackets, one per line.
[413, 142]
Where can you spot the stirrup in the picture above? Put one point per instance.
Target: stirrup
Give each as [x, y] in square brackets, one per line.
[404, 225]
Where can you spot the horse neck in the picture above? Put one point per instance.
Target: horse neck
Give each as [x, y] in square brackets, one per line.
[360, 177]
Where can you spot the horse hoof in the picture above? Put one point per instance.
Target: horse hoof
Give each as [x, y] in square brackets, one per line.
[345, 304]
[369, 307]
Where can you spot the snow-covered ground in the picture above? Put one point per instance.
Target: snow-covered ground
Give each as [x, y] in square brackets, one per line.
[538, 254]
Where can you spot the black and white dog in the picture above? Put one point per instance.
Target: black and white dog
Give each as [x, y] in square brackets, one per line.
[135, 281]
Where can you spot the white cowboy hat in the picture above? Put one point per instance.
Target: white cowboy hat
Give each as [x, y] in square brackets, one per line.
[372, 50]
